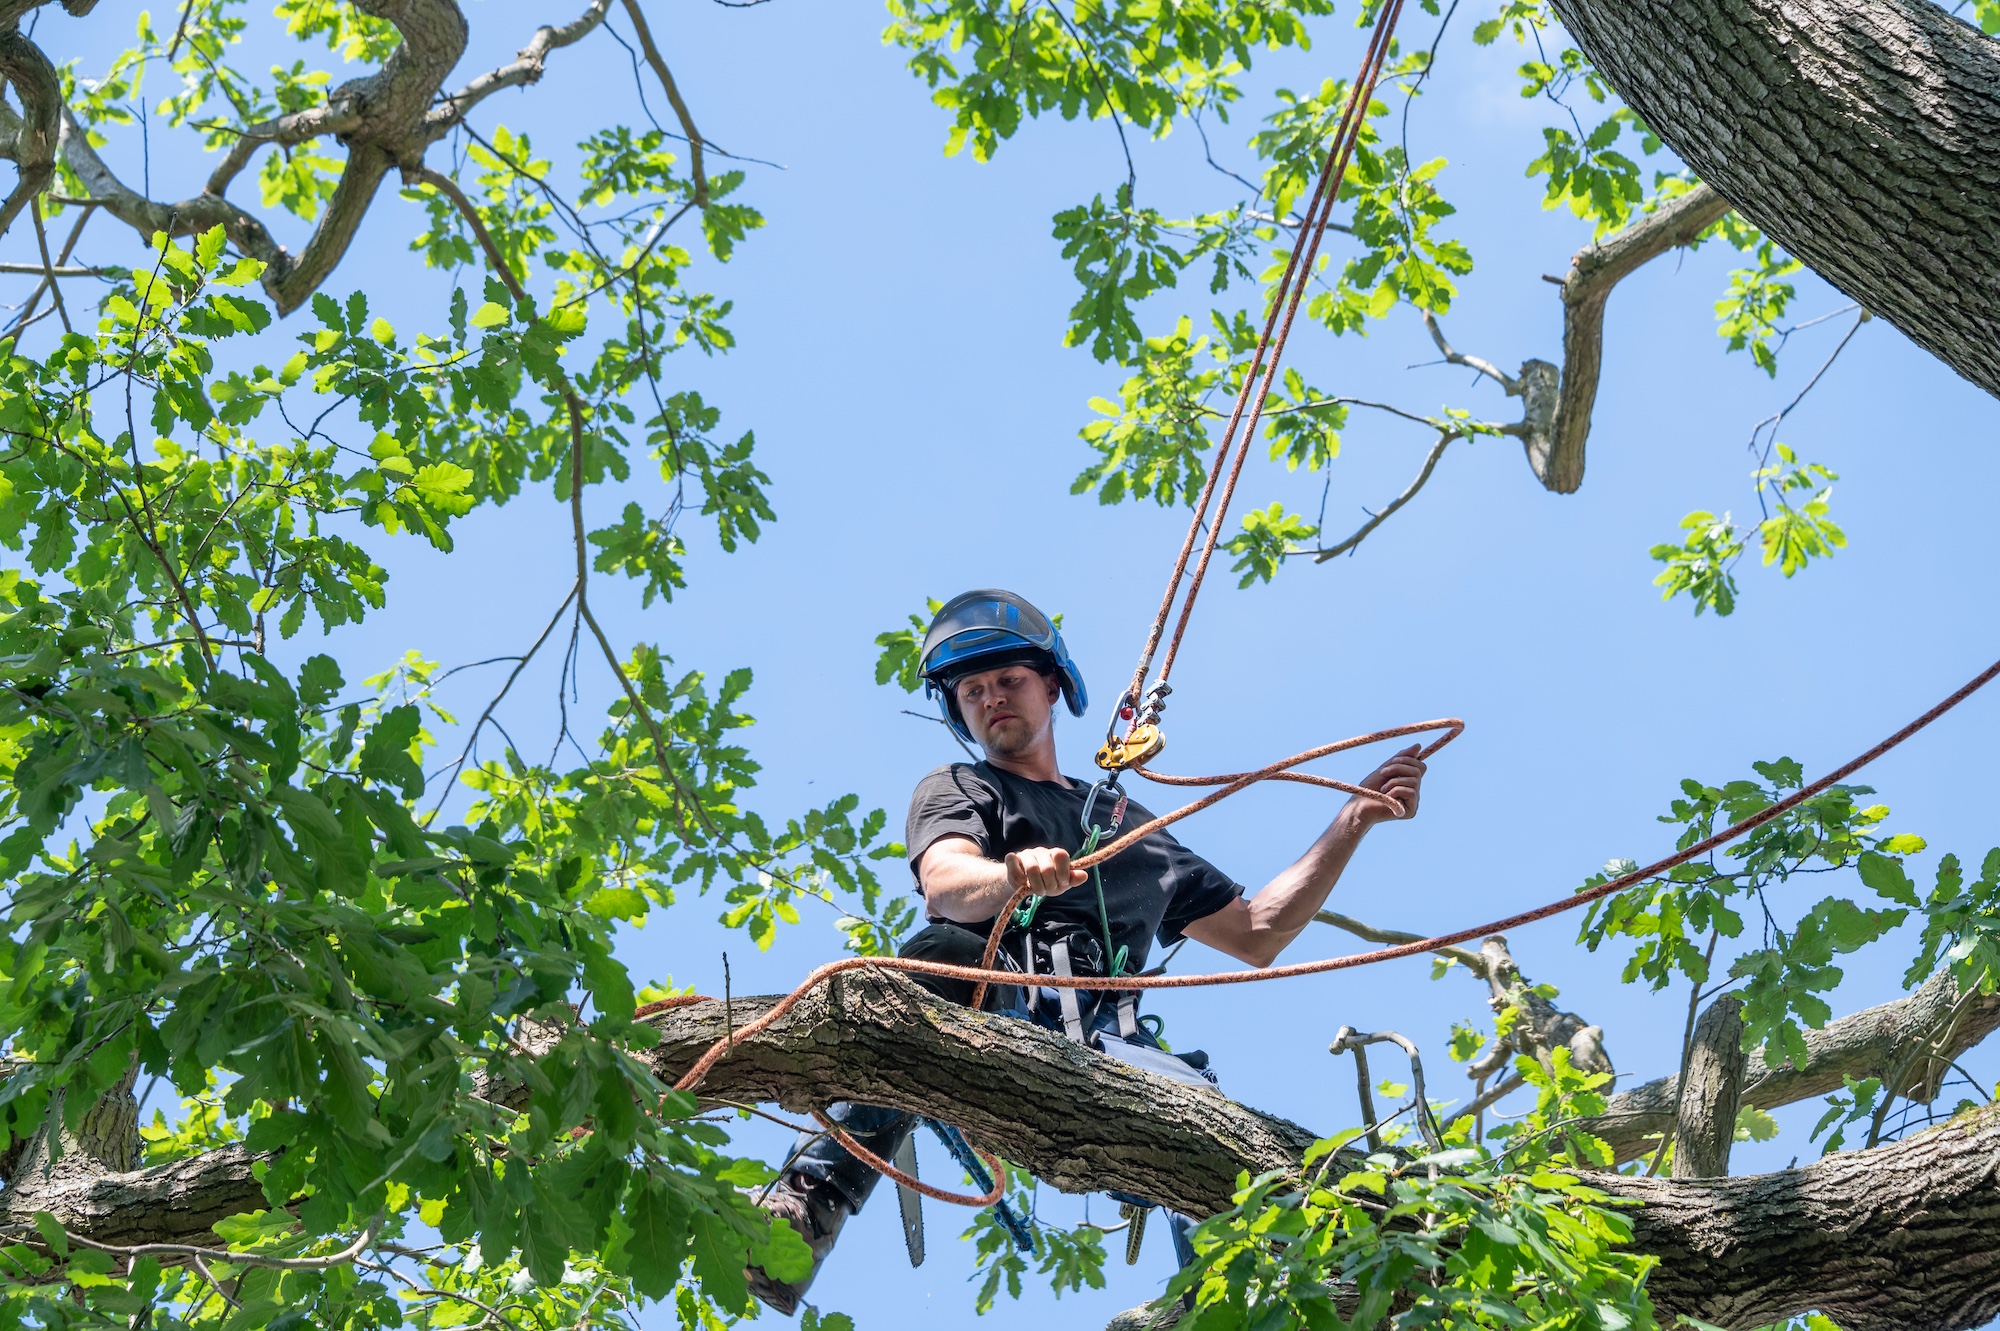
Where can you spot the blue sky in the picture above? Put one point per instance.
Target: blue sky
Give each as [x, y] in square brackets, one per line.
[900, 323]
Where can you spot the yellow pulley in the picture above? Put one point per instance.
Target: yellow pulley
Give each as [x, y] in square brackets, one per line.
[1138, 745]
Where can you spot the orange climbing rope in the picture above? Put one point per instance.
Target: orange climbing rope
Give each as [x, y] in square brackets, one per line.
[1270, 350]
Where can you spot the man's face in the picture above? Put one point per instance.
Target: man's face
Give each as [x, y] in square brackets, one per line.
[1008, 709]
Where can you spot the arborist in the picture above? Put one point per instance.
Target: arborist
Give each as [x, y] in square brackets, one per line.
[977, 831]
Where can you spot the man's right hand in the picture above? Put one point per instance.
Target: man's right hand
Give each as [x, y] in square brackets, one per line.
[1043, 871]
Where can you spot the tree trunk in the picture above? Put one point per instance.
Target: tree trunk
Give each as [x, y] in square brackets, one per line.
[1857, 133]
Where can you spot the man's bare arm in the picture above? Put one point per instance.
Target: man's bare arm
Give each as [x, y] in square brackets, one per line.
[1256, 929]
[963, 886]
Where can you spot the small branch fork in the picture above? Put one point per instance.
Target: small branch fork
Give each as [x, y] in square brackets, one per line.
[1348, 1040]
[386, 119]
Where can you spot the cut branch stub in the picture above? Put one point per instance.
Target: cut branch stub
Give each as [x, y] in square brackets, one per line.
[1556, 423]
[1542, 1027]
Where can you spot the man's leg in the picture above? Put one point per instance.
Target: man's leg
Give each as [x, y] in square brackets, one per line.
[824, 1183]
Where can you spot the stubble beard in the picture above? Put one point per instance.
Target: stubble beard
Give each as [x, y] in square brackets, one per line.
[1011, 740]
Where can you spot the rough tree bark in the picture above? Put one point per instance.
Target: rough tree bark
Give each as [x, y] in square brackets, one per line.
[1870, 1043]
[1906, 1235]
[1705, 1127]
[1857, 133]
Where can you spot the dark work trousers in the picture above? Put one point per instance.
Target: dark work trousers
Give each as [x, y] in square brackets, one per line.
[883, 1130]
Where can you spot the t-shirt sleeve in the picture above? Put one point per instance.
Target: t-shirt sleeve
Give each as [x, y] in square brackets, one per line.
[952, 801]
[1201, 890]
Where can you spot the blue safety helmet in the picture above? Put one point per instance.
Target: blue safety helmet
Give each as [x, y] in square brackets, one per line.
[987, 629]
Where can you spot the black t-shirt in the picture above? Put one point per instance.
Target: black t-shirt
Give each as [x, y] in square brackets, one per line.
[1155, 887]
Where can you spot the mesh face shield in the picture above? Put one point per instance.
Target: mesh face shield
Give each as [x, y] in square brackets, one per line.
[985, 629]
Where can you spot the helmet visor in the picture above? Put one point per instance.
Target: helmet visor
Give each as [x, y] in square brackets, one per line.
[982, 624]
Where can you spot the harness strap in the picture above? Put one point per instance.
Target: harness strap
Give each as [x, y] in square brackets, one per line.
[1072, 1010]
[1128, 1014]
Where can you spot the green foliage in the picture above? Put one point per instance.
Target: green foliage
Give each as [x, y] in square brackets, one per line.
[1674, 922]
[1857, 1104]
[1797, 533]
[1462, 1236]
[1268, 536]
[996, 63]
[1070, 1258]
[1961, 919]
[1699, 566]
[903, 650]
[235, 881]
[1586, 173]
[1150, 442]
[1758, 295]
[1122, 254]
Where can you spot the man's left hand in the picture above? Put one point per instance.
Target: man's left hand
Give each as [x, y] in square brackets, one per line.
[1401, 779]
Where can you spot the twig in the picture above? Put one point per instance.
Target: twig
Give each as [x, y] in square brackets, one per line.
[48, 267]
[330, 1260]
[1465, 957]
[1479, 363]
[653, 58]
[58, 270]
[1445, 437]
[485, 716]
[209, 1276]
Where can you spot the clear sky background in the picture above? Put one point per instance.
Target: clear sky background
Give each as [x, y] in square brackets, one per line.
[900, 323]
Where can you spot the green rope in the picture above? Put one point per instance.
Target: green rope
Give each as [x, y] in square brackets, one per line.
[1025, 916]
[1103, 912]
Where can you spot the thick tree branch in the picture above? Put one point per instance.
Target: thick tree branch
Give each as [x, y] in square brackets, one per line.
[1902, 1236]
[28, 72]
[1936, 1019]
[386, 120]
[1857, 135]
[1557, 403]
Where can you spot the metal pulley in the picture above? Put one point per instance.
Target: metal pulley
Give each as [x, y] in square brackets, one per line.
[1138, 744]
[1143, 739]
